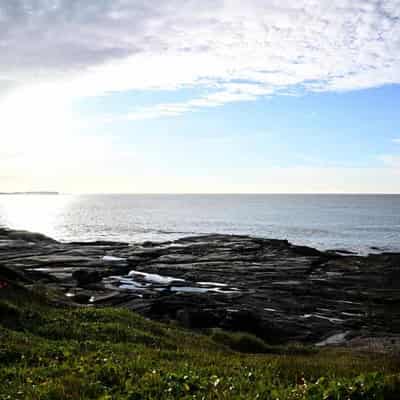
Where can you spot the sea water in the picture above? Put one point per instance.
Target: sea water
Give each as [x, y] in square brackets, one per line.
[361, 223]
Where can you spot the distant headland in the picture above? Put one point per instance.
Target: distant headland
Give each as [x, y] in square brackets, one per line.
[33, 193]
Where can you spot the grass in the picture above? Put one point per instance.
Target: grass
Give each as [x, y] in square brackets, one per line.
[49, 352]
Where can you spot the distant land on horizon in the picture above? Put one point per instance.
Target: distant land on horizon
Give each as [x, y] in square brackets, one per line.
[24, 193]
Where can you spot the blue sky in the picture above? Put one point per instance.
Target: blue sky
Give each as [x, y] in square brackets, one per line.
[345, 129]
[211, 96]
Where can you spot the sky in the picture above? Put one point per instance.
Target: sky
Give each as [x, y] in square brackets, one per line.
[222, 96]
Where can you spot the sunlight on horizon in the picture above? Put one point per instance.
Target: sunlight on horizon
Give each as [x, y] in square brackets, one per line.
[35, 213]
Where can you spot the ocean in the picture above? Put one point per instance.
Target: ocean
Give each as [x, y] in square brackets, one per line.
[360, 223]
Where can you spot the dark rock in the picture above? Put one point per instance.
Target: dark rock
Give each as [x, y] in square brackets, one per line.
[271, 288]
[7, 273]
[81, 298]
[25, 236]
[100, 243]
[85, 277]
[148, 243]
[306, 251]
[197, 319]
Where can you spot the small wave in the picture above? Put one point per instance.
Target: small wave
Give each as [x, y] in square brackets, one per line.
[165, 232]
[377, 228]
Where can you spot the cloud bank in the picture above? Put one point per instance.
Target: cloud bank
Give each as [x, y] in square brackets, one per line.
[236, 50]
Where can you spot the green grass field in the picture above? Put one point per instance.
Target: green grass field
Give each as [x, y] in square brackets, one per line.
[49, 352]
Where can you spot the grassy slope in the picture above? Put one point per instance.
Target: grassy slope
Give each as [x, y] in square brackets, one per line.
[57, 353]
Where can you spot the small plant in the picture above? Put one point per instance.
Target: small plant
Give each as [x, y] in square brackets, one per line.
[241, 342]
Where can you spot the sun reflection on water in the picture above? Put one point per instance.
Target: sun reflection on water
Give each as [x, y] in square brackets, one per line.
[35, 213]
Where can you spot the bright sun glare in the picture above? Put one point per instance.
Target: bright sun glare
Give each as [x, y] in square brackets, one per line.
[37, 213]
[34, 119]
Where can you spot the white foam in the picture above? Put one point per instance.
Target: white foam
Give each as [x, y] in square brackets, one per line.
[338, 338]
[348, 314]
[330, 319]
[113, 259]
[192, 289]
[212, 284]
[189, 289]
[155, 278]
[130, 286]
[332, 273]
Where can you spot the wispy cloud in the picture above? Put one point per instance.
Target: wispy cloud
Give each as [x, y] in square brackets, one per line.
[91, 48]
[397, 140]
[231, 93]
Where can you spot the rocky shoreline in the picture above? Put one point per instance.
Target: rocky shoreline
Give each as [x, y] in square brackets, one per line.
[271, 288]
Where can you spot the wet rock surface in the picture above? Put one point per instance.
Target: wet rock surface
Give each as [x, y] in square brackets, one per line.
[276, 290]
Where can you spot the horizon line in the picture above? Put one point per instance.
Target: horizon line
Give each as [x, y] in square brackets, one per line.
[211, 193]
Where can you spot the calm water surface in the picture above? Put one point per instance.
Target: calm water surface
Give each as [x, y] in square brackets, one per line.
[353, 222]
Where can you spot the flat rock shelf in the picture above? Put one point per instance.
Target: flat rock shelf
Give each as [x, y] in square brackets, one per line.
[271, 288]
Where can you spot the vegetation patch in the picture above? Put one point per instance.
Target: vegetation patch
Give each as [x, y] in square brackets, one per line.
[49, 352]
